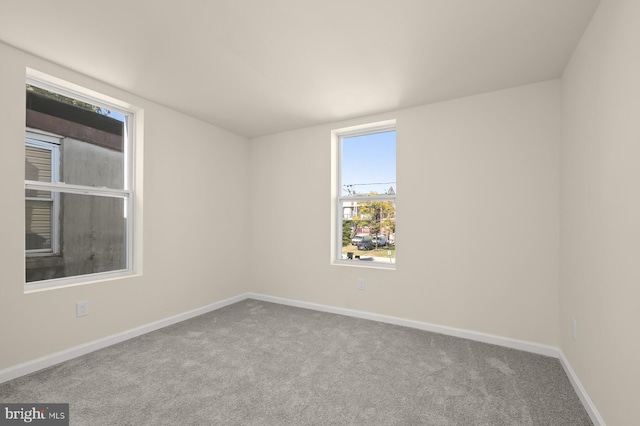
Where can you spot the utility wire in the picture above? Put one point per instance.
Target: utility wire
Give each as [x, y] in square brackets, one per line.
[351, 191]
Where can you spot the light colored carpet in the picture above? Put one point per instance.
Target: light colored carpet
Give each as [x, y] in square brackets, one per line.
[258, 363]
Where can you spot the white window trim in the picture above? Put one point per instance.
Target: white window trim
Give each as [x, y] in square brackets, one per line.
[338, 200]
[132, 171]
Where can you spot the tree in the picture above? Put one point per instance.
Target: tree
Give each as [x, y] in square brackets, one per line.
[346, 233]
[389, 226]
[377, 216]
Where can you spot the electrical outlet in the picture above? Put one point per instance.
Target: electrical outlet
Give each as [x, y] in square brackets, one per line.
[574, 329]
[82, 308]
[361, 284]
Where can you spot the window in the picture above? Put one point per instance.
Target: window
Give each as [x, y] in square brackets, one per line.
[79, 186]
[365, 195]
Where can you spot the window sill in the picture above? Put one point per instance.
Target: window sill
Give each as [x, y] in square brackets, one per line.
[366, 262]
[53, 284]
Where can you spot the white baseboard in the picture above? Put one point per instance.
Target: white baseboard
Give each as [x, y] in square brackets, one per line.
[58, 357]
[581, 392]
[456, 332]
[450, 331]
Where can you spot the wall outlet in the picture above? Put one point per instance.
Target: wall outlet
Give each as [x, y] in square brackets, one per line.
[574, 329]
[361, 284]
[82, 308]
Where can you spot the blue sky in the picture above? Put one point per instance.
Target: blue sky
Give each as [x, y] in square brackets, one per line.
[116, 115]
[367, 160]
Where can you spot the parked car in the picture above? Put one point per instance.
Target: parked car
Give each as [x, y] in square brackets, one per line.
[379, 240]
[366, 244]
[361, 238]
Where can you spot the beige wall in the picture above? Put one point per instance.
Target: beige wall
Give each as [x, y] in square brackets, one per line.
[478, 215]
[195, 203]
[484, 242]
[600, 217]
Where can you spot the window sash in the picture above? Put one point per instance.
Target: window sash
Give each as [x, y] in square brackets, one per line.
[341, 218]
[76, 189]
[57, 188]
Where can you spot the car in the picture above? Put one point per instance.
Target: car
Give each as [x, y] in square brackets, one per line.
[360, 239]
[366, 245]
[392, 239]
[379, 240]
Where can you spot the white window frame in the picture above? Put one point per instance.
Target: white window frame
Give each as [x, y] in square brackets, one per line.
[128, 193]
[45, 140]
[339, 200]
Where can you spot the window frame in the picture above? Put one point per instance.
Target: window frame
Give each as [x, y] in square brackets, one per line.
[339, 200]
[128, 193]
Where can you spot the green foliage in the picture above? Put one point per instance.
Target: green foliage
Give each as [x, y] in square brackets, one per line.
[346, 233]
[66, 99]
[375, 215]
[378, 216]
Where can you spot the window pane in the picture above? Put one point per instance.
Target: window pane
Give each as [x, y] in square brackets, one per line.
[38, 225]
[92, 239]
[369, 164]
[91, 140]
[368, 231]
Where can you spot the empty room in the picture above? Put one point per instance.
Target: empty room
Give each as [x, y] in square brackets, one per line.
[320, 212]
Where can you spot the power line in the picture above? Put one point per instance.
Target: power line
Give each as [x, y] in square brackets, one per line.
[349, 188]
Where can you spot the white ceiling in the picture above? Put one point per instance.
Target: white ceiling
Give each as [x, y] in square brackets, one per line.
[256, 67]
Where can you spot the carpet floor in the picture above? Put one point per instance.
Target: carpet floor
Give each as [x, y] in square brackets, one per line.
[259, 363]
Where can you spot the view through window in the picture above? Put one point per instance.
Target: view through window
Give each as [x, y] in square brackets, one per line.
[367, 197]
[78, 186]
